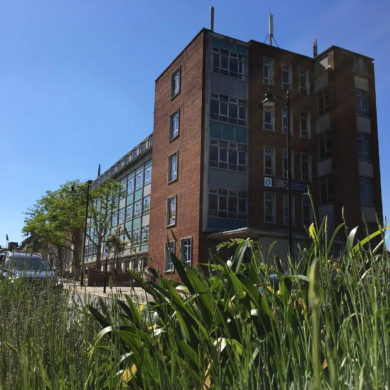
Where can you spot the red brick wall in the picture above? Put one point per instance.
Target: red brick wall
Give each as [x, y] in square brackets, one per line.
[258, 138]
[345, 161]
[189, 146]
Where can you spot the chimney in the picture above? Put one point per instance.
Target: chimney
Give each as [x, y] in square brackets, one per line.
[271, 28]
[315, 48]
[212, 18]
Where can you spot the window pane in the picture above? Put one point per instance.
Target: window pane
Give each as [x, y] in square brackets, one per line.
[139, 180]
[213, 155]
[146, 206]
[129, 212]
[137, 208]
[269, 207]
[213, 204]
[148, 174]
[130, 185]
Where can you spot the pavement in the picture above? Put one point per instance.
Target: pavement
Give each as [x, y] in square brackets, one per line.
[137, 294]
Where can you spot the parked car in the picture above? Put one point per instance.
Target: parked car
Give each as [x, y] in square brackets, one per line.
[30, 267]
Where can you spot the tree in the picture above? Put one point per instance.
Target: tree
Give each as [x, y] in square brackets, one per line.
[58, 218]
[102, 208]
[118, 246]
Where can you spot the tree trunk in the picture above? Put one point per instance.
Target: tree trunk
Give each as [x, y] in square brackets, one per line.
[77, 241]
[99, 255]
[60, 260]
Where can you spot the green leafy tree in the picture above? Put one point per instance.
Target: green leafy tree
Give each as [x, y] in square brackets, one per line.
[58, 218]
[118, 246]
[102, 208]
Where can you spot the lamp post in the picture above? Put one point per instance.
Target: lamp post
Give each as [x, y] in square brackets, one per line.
[89, 182]
[270, 101]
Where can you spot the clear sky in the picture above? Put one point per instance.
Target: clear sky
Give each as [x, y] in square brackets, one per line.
[77, 77]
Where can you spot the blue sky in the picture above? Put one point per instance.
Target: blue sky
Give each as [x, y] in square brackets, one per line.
[77, 77]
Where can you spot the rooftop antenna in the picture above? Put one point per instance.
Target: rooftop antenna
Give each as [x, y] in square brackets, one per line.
[315, 49]
[212, 18]
[270, 34]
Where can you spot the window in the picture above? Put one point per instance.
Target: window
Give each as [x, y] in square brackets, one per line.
[130, 185]
[175, 83]
[228, 109]
[224, 203]
[304, 124]
[285, 210]
[114, 220]
[123, 181]
[171, 211]
[285, 164]
[324, 145]
[269, 161]
[364, 147]
[139, 178]
[323, 102]
[129, 212]
[172, 167]
[286, 76]
[121, 216]
[268, 119]
[326, 189]
[268, 71]
[186, 250]
[228, 155]
[137, 208]
[145, 234]
[305, 166]
[146, 204]
[304, 86]
[229, 63]
[148, 173]
[366, 191]
[170, 247]
[361, 103]
[142, 147]
[307, 217]
[269, 207]
[134, 154]
[174, 126]
[136, 236]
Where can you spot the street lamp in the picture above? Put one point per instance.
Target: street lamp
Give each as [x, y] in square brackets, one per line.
[270, 101]
[89, 182]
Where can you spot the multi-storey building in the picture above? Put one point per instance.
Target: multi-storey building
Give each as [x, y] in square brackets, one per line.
[220, 159]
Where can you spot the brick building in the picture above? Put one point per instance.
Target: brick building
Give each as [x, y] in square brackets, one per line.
[220, 159]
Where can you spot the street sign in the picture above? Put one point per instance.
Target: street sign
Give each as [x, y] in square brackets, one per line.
[299, 188]
[267, 181]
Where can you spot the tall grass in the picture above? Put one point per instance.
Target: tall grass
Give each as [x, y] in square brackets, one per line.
[45, 337]
[324, 325]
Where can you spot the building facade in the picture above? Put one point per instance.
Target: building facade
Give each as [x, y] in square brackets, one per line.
[220, 159]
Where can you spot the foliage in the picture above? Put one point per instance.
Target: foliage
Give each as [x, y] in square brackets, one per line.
[44, 338]
[324, 322]
[57, 218]
[102, 208]
[57, 215]
[116, 245]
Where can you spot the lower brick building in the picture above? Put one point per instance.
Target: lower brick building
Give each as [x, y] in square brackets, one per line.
[220, 158]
